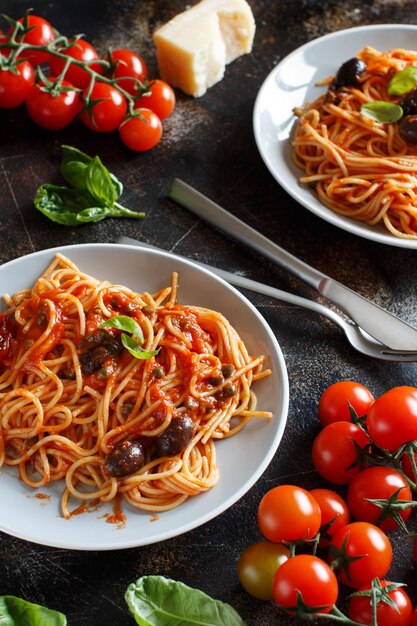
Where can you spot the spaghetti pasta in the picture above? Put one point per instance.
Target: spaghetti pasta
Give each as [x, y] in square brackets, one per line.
[78, 403]
[359, 167]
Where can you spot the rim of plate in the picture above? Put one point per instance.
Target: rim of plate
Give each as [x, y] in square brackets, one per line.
[41, 538]
[288, 180]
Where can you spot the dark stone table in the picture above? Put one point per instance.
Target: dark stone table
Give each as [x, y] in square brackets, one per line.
[209, 143]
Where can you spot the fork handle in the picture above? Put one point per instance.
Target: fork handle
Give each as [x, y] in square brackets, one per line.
[225, 221]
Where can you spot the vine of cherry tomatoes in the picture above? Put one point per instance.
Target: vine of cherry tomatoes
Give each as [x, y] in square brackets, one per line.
[370, 446]
[107, 94]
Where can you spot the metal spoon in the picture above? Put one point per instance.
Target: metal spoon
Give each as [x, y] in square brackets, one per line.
[361, 341]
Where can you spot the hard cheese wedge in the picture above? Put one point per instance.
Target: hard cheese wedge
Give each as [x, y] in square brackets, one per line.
[194, 47]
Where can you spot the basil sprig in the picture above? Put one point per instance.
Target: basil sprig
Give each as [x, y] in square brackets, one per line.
[132, 341]
[403, 81]
[382, 111]
[160, 601]
[18, 612]
[91, 197]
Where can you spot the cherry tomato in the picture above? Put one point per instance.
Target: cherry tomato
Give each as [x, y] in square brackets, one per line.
[360, 609]
[4, 39]
[392, 419]
[334, 453]
[377, 482]
[288, 513]
[257, 565]
[310, 576]
[40, 34]
[370, 543]
[160, 99]
[407, 466]
[141, 133]
[15, 87]
[107, 114]
[53, 112]
[128, 65]
[80, 51]
[414, 617]
[335, 400]
[334, 513]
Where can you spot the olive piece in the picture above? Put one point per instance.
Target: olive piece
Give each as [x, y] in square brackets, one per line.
[409, 103]
[126, 458]
[349, 73]
[175, 437]
[408, 128]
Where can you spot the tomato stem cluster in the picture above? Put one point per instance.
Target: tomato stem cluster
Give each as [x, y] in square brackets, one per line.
[53, 48]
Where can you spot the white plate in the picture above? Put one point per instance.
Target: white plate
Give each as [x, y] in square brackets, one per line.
[292, 83]
[241, 459]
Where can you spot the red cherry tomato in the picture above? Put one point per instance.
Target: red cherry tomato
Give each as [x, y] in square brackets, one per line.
[288, 513]
[335, 454]
[310, 576]
[334, 513]
[4, 39]
[392, 419]
[15, 87]
[160, 99]
[53, 112]
[360, 609]
[80, 51]
[40, 34]
[370, 543]
[129, 65]
[141, 133]
[377, 482]
[414, 617]
[335, 400]
[257, 566]
[107, 114]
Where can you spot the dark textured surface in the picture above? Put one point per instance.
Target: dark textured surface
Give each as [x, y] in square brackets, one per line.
[209, 143]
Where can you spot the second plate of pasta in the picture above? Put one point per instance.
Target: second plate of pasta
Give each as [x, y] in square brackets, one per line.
[299, 80]
[133, 385]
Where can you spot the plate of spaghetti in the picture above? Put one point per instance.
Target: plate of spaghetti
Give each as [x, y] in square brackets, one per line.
[324, 127]
[140, 396]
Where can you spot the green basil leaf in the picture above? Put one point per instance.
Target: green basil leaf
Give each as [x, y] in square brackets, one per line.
[381, 111]
[99, 184]
[17, 612]
[74, 174]
[126, 323]
[159, 601]
[403, 81]
[71, 155]
[62, 205]
[134, 348]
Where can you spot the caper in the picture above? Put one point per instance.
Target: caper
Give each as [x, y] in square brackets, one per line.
[126, 458]
[228, 390]
[349, 73]
[227, 369]
[215, 381]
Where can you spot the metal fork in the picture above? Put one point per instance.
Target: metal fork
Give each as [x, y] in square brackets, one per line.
[358, 339]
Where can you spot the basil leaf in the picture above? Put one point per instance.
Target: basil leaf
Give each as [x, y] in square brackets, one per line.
[381, 111]
[98, 182]
[126, 323]
[159, 601]
[63, 205]
[75, 174]
[403, 81]
[134, 348]
[17, 612]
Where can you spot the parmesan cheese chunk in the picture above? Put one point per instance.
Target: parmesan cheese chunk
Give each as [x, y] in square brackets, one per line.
[194, 47]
